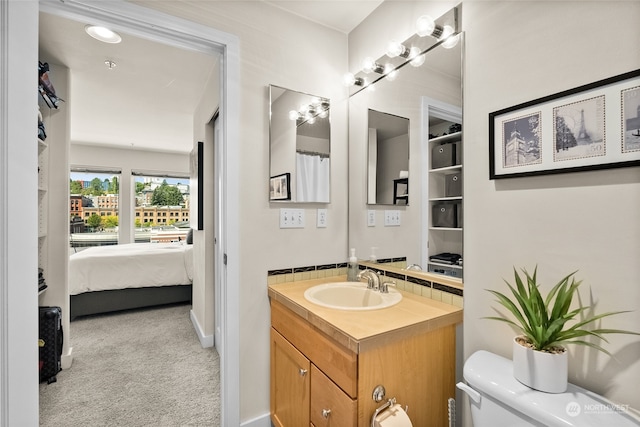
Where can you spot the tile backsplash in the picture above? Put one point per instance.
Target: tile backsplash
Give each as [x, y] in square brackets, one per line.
[421, 283]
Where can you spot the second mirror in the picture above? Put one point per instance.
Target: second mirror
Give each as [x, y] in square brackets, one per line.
[388, 159]
[299, 147]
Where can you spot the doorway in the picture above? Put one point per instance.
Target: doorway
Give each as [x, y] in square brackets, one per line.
[171, 30]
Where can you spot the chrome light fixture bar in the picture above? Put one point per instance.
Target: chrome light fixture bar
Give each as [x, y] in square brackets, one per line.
[430, 33]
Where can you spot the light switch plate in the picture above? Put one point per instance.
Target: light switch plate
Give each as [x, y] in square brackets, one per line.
[371, 218]
[391, 218]
[291, 218]
[321, 221]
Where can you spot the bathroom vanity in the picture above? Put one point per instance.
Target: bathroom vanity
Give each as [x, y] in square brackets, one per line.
[326, 363]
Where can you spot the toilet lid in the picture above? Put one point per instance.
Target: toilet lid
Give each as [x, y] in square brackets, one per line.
[492, 375]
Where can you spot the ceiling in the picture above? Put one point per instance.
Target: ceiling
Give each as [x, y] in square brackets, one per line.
[147, 100]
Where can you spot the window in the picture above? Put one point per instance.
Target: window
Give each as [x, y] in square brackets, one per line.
[93, 216]
[159, 197]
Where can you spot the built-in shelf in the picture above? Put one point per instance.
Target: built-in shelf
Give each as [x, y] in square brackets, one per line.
[444, 186]
[442, 264]
[446, 228]
[43, 164]
[445, 139]
[446, 199]
[454, 168]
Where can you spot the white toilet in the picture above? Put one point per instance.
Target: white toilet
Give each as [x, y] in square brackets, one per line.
[499, 400]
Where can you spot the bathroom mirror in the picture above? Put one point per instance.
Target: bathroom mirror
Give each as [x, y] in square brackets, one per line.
[299, 147]
[408, 96]
[387, 159]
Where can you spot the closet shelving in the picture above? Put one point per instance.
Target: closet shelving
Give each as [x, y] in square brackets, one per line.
[445, 238]
[43, 201]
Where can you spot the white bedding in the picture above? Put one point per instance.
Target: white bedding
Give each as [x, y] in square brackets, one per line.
[134, 265]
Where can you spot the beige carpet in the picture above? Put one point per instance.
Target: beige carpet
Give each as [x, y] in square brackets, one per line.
[137, 368]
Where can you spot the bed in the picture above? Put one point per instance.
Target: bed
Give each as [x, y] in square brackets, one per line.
[121, 277]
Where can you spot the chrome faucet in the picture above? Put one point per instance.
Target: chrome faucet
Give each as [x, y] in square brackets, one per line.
[384, 286]
[373, 279]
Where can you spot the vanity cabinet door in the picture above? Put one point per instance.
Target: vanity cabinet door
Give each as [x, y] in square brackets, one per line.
[330, 406]
[290, 384]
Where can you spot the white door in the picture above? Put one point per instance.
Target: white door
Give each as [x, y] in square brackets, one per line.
[220, 261]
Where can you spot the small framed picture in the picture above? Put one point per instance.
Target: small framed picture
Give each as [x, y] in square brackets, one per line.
[280, 187]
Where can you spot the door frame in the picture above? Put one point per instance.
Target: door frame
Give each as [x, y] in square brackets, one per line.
[157, 26]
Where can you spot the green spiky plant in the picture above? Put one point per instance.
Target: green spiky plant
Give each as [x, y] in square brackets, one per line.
[543, 321]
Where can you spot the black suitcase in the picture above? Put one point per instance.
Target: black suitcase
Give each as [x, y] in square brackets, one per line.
[50, 343]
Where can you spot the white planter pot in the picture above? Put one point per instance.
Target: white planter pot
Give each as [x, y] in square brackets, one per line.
[539, 370]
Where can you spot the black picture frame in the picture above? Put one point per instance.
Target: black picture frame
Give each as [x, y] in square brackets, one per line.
[196, 187]
[590, 127]
[280, 187]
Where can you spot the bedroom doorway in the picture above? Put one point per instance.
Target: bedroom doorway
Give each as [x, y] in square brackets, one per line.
[161, 27]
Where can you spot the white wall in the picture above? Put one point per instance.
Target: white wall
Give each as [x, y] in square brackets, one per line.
[587, 221]
[284, 50]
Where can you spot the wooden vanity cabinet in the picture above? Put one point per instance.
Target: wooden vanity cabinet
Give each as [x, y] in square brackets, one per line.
[326, 396]
[290, 383]
[311, 374]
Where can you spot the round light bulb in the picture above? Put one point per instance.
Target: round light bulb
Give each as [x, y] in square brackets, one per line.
[447, 30]
[395, 48]
[293, 115]
[368, 64]
[390, 72]
[418, 60]
[425, 26]
[323, 114]
[349, 79]
[451, 41]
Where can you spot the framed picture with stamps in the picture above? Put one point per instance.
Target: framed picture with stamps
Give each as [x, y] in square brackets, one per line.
[595, 126]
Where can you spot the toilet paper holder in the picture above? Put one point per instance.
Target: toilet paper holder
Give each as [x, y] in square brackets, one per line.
[378, 396]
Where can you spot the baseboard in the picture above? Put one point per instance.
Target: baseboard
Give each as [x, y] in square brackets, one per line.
[67, 359]
[261, 421]
[205, 340]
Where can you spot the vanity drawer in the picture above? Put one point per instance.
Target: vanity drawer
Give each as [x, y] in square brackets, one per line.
[339, 363]
[330, 406]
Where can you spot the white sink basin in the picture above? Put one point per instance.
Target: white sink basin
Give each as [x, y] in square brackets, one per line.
[351, 296]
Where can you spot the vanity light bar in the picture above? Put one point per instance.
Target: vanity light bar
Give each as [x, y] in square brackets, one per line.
[430, 34]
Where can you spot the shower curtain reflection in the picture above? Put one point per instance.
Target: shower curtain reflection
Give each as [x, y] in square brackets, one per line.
[312, 177]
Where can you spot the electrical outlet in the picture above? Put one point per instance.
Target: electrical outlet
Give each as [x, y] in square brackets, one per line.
[321, 218]
[371, 218]
[391, 218]
[291, 218]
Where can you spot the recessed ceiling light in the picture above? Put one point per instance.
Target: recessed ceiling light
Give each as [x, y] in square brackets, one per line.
[103, 34]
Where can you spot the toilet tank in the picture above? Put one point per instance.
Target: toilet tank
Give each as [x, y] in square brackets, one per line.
[504, 401]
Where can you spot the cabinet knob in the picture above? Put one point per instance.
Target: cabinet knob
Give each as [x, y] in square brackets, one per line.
[326, 413]
[303, 372]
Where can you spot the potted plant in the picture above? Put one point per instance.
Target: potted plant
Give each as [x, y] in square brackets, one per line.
[539, 355]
